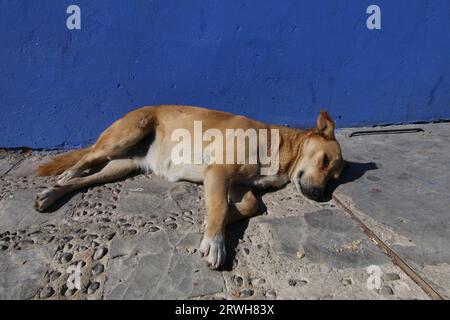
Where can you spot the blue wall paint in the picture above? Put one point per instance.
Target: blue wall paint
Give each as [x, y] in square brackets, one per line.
[277, 61]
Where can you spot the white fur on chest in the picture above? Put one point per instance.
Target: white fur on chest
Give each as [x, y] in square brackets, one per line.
[158, 160]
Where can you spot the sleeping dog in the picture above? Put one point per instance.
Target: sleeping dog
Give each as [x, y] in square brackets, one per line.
[158, 139]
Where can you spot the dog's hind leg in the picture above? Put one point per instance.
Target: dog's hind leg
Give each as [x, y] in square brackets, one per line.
[114, 170]
[114, 142]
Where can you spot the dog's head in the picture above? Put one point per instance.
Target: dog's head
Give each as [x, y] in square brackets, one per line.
[319, 159]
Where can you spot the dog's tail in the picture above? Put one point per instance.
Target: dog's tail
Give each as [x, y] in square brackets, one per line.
[61, 163]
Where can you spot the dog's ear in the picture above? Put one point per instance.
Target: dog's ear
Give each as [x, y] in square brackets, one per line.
[325, 125]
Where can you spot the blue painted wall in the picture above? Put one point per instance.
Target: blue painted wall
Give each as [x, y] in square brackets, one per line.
[277, 61]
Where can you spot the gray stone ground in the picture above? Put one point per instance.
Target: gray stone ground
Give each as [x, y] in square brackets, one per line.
[138, 238]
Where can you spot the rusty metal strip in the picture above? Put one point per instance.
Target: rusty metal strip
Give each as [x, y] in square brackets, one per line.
[396, 259]
[386, 131]
[15, 165]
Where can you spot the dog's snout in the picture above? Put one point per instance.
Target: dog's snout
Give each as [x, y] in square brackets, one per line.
[312, 193]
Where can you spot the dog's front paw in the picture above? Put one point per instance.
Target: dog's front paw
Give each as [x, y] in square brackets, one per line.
[44, 199]
[213, 248]
[67, 175]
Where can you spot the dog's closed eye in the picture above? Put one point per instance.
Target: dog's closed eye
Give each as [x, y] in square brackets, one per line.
[325, 161]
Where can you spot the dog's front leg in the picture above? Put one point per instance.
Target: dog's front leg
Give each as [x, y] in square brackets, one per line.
[216, 197]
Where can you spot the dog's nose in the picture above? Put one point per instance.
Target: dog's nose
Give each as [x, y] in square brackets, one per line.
[315, 193]
[311, 192]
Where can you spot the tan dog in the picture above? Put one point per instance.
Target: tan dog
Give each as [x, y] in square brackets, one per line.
[143, 140]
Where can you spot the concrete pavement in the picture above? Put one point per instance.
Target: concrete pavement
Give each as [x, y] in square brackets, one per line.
[138, 238]
[398, 185]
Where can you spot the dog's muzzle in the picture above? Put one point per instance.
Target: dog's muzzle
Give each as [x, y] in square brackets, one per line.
[312, 193]
[308, 191]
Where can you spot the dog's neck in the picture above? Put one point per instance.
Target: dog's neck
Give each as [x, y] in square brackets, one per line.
[291, 141]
